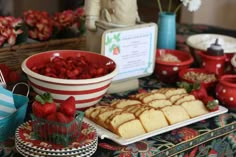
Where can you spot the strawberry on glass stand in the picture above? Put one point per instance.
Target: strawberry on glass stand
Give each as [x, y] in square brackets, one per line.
[43, 105]
[58, 125]
[68, 106]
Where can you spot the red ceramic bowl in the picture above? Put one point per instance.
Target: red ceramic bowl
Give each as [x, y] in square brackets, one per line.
[226, 91]
[87, 92]
[192, 75]
[167, 71]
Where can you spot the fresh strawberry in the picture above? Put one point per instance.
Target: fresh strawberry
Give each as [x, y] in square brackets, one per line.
[13, 76]
[62, 117]
[43, 105]
[72, 68]
[199, 91]
[211, 103]
[68, 106]
[71, 118]
[52, 117]
[5, 71]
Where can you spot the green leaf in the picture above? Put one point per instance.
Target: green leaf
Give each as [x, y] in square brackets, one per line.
[108, 41]
[44, 98]
[113, 46]
[47, 97]
[117, 37]
[22, 37]
[39, 99]
[196, 85]
[187, 86]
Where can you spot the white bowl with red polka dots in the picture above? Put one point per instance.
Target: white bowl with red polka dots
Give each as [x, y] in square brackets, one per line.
[167, 71]
[226, 91]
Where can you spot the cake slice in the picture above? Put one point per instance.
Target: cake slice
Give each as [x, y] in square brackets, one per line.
[159, 103]
[118, 119]
[153, 96]
[185, 98]
[195, 108]
[174, 98]
[135, 109]
[172, 92]
[152, 119]
[90, 110]
[141, 109]
[96, 112]
[131, 107]
[139, 96]
[130, 129]
[161, 90]
[175, 114]
[101, 118]
[126, 102]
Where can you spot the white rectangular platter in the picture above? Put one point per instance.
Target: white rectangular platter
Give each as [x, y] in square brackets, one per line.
[104, 133]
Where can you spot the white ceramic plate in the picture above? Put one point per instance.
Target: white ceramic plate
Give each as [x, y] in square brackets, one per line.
[203, 41]
[104, 133]
[34, 152]
[30, 152]
[87, 138]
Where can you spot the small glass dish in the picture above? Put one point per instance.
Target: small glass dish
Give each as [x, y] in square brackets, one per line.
[57, 132]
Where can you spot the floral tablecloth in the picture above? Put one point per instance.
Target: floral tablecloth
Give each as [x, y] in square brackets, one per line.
[214, 137]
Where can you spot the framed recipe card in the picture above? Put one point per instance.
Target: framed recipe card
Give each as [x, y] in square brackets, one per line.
[133, 49]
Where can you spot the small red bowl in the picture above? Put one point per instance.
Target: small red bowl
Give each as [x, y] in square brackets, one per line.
[167, 71]
[226, 91]
[198, 74]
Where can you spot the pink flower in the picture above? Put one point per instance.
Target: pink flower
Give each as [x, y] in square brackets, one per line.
[39, 24]
[9, 29]
[68, 19]
[80, 12]
[12, 39]
[64, 19]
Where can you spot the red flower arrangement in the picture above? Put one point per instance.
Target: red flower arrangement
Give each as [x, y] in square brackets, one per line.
[39, 24]
[64, 19]
[42, 26]
[10, 28]
[69, 22]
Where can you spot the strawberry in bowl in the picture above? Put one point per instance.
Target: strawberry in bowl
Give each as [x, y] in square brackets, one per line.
[84, 75]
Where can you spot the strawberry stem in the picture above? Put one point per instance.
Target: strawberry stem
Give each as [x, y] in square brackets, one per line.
[39, 99]
[196, 85]
[44, 98]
